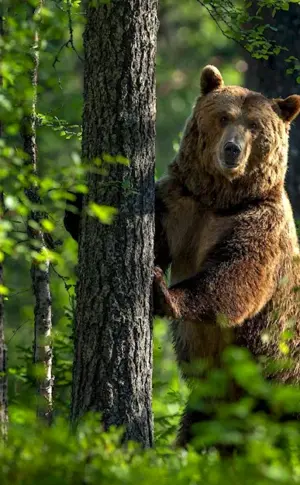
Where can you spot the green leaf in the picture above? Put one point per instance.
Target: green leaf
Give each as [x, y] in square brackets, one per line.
[104, 213]
[47, 225]
[4, 290]
[122, 160]
[81, 188]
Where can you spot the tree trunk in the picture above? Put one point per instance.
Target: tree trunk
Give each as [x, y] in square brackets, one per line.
[42, 351]
[113, 331]
[3, 374]
[270, 78]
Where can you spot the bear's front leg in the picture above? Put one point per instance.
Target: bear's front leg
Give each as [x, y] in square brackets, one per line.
[237, 281]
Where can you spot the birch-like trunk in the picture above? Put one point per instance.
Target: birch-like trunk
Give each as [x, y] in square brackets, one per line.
[113, 332]
[3, 359]
[42, 350]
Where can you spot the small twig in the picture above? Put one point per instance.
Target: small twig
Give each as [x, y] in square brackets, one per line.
[17, 329]
[56, 58]
[19, 292]
[64, 279]
[22, 241]
[68, 43]
[71, 40]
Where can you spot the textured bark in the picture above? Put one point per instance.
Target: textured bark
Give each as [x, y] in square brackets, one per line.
[3, 374]
[42, 351]
[3, 371]
[269, 77]
[113, 334]
[42, 354]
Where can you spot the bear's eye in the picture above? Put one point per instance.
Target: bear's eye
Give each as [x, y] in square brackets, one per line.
[224, 119]
[253, 126]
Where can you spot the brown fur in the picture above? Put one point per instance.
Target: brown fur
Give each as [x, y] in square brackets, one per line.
[229, 233]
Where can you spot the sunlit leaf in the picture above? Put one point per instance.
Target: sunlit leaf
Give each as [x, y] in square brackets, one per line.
[104, 213]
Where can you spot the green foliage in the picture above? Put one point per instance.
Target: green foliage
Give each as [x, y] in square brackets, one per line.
[267, 451]
[245, 23]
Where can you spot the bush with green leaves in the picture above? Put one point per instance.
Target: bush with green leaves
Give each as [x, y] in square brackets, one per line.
[266, 449]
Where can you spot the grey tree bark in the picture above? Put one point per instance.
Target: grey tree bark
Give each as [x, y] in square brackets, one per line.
[270, 78]
[42, 350]
[113, 332]
[3, 359]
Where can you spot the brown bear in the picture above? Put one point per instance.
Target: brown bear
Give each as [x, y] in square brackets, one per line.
[225, 225]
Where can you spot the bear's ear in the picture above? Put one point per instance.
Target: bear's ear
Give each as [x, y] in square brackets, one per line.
[211, 79]
[289, 107]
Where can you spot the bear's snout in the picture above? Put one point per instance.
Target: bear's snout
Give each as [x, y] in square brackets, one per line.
[232, 152]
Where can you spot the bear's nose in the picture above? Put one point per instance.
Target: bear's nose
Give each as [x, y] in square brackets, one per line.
[231, 153]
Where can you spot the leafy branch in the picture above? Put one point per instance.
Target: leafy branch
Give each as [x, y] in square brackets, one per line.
[249, 30]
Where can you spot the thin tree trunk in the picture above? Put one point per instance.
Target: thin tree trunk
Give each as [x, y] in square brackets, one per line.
[113, 332]
[3, 372]
[3, 359]
[269, 77]
[42, 351]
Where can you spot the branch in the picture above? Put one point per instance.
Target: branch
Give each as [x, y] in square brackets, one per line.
[215, 19]
[70, 41]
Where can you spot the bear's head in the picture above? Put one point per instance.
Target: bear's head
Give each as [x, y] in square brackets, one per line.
[235, 143]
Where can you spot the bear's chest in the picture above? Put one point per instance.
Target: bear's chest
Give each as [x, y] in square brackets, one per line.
[192, 233]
